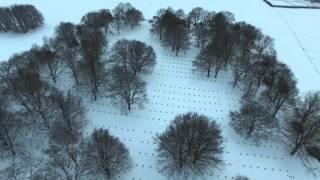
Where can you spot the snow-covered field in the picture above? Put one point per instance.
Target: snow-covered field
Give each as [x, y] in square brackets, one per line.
[173, 88]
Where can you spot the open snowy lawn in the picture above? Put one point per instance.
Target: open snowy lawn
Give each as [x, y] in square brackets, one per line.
[173, 88]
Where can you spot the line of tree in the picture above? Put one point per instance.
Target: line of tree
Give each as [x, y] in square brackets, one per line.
[20, 18]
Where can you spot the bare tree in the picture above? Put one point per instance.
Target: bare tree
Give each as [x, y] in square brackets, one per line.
[133, 55]
[68, 47]
[126, 88]
[157, 23]
[14, 170]
[71, 117]
[133, 17]
[22, 166]
[205, 61]
[14, 80]
[281, 90]
[222, 35]
[257, 74]
[10, 126]
[105, 156]
[37, 97]
[47, 55]
[203, 35]
[98, 20]
[120, 55]
[246, 36]
[173, 30]
[264, 46]
[66, 142]
[196, 16]
[20, 18]
[218, 51]
[107, 18]
[64, 160]
[93, 44]
[202, 30]
[301, 127]
[23, 83]
[191, 145]
[142, 57]
[253, 121]
[177, 35]
[119, 14]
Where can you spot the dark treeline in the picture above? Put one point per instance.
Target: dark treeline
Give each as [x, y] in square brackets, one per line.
[20, 18]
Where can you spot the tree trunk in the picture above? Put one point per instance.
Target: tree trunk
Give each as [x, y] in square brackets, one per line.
[7, 140]
[294, 150]
[275, 111]
[118, 28]
[129, 106]
[54, 78]
[75, 76]
[235, 81]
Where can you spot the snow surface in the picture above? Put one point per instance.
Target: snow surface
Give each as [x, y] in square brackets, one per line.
[174, 89]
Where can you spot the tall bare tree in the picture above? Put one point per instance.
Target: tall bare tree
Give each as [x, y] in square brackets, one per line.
[158, 24]
[47, 55]
[191, 145]
[10, 126]
[99, 19]
[119, 14]
[105, 156]
[253, 121]
[173, 30]
[68, 47]
[23, 82]
[281, 90]
[246, 36]
[301, 127]
[93, 44]
[258, 73]
[127, 89]
[133, 55]
[71, 117]
[20, 18]
[133, 17]
[66, 142]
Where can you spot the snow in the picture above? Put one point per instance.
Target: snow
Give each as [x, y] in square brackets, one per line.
[173, 88]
